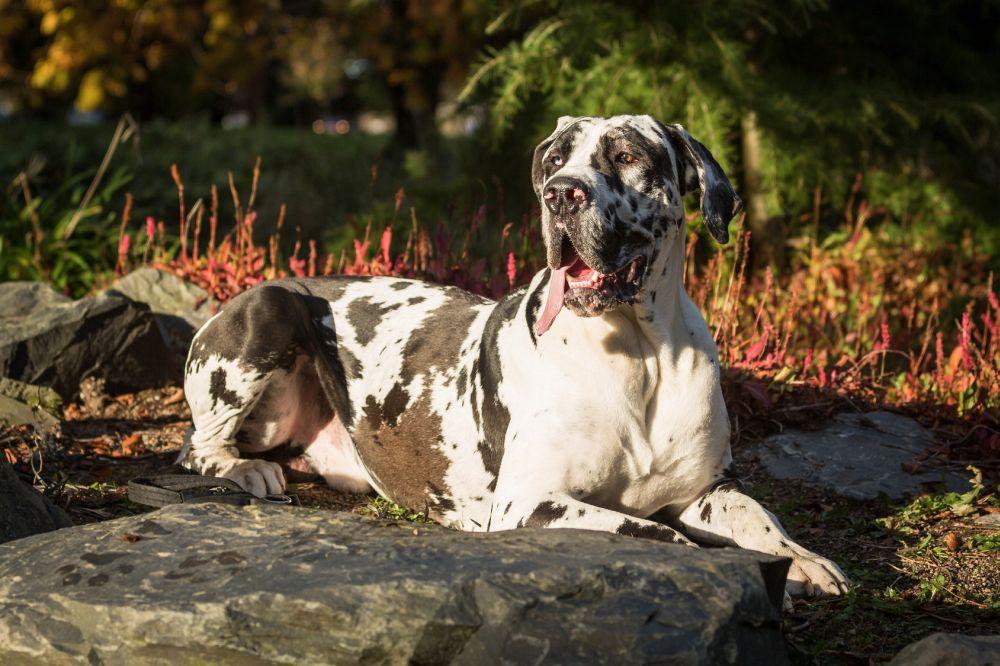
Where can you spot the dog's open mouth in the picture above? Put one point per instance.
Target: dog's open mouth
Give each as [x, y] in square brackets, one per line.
[585, 291]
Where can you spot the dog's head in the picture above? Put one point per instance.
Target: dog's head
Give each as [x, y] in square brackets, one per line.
[611, 193]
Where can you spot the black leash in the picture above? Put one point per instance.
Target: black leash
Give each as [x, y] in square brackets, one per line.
[187, 488]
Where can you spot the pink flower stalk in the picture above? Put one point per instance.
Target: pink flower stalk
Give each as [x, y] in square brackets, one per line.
[385, 244]
[965, 340]
[124, 243]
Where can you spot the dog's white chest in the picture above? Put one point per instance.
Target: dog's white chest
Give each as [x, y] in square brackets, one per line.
[647, 423]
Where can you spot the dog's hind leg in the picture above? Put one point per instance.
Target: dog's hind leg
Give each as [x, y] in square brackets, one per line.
[240, 362]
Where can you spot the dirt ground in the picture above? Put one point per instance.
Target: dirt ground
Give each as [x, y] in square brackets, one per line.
[931, 564]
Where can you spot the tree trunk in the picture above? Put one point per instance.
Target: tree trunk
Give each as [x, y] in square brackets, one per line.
[765, 244]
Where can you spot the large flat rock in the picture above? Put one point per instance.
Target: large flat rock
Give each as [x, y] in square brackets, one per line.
[229, 585]
[858, 456]
[943, 649]
[52, 341]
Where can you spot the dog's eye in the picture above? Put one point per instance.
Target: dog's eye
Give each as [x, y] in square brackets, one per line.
[625, 158]
[557, 160]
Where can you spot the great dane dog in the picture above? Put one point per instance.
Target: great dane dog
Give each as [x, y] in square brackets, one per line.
[588, 399]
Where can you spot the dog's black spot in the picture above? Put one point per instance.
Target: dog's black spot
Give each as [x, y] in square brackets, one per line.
[728, 481]
[218, 391]
[657, 532]
[706, 513]
[534, 305]
[394, 405]
[353, 368]
[460, 385]
[437, 342]
[98, 580]
[562, 144]
[495, 416]
[442, 504]
[545, 513]
[398, 286]
[71, 579]
[509, 504]
[413, 300]
[365, 315]
[602, 160]
[767, 528]
[580, 513]
[473, 397]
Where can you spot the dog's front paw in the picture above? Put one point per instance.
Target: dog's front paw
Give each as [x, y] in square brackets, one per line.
[813, 576]
[257, 477]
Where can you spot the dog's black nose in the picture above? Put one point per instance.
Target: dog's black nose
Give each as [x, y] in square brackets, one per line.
[565, 194]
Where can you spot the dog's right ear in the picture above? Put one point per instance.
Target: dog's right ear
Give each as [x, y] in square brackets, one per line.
[536, 160]
[700, 172]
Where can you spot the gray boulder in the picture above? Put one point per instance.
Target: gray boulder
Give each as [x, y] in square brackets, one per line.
[48, 339]
[180, 308]
[950, 650]
[256, 585]
[23, 510]
[40, 397]
[858, 456]
[14, 412]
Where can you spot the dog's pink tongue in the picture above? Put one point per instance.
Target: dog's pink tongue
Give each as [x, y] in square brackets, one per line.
[553, 300]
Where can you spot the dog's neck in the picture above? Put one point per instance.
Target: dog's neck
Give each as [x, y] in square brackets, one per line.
[659, 309]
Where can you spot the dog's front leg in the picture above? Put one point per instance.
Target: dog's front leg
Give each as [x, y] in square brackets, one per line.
[726, 516]
[556, 509]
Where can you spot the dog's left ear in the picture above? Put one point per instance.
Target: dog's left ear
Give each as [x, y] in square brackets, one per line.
[700, 171]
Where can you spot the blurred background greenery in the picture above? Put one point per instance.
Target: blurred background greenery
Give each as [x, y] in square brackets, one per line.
[810, 106]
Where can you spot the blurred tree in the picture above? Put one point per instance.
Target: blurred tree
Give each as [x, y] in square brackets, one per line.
[161, 58]
[417, 47]
[794, 97]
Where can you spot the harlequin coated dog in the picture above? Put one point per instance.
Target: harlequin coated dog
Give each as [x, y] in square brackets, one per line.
[588, 399]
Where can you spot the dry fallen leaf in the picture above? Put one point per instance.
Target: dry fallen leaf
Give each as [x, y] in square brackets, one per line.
[174, 397]
[953, 541]
[131, 445]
